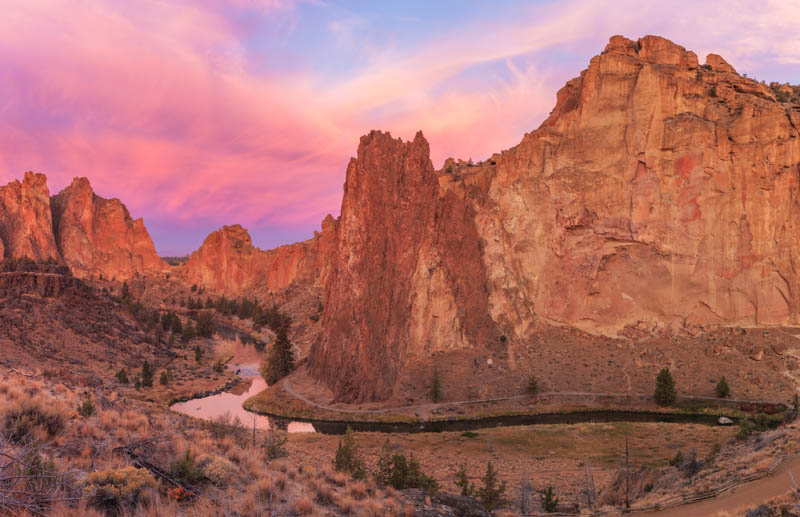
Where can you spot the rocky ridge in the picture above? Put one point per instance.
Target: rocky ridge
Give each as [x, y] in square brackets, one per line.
[659, 195]
[92, 235]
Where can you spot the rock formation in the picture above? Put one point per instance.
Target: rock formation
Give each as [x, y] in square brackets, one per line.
[25, 229]
[659, 194]
[97, 236]
[91, 235]
[227, 262]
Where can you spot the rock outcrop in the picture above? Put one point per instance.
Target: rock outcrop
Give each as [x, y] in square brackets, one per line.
[97, 236]
[228, 263]
[25, 229]
[659, 194]
[91, 235]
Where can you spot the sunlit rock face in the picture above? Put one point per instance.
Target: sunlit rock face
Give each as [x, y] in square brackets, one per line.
[98, 237]
[227, 262]
[659, 194]
[25, 228]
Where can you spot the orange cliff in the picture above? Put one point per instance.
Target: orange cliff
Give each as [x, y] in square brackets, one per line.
[91, 235]
[25, 220]
[228, 263]
[659, 194]
[97, 236]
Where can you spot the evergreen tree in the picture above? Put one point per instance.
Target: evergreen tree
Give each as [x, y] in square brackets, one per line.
[280, 359]
[722, 389]
[122, 376]
[348, 457]
[462, 481]
[205, 324]
[147, 375]
[436, 387]
[549, 500]
[126, 293]
[665, 388]
[198, 353]
[177, 328]
[383, 474]
[491, 494]
[533, 386]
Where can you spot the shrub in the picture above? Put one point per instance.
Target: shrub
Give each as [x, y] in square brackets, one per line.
[436, 386]
[198, 353]
[225, 425]
[164, 377]
[533, 386]
[723, 390]
[491, 494]
[122, 376]
[401, 473]
[275, 444]
[665, 388]
[21, 421]
[86, 408]
[676, 460]
[217, 470]
[186, 469]
[549, 500]
[280, 359]
[117, 490]
[348, 457]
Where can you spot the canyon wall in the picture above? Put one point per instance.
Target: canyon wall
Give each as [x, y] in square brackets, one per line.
[91, 235]
[659, 194]
[25, 228]
[228, 263]
[98, 236]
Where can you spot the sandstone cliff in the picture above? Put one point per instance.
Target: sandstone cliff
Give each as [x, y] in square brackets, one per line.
[97, 236]
[25, 229]
[91, 235]
[227, 262]
[659, 194]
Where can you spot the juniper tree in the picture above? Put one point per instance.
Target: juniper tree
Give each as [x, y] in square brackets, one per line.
[665, 388]
[280, 359]
[491, 494]
[722, 389]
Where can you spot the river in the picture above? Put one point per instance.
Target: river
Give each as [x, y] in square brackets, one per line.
[247, 356]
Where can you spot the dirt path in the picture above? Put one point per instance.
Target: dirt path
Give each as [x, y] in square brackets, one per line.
[287, 387]
[742, 498]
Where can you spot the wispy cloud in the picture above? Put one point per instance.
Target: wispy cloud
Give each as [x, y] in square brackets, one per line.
[220, 112]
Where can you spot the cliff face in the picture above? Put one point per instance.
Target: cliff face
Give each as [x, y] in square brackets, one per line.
[91, 235]
[658, 194]
[97, 236]
[227, 262]
[25, 229]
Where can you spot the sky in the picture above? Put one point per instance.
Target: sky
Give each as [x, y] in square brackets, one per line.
[199, 113]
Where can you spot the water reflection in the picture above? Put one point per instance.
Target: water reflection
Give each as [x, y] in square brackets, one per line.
[245, 363]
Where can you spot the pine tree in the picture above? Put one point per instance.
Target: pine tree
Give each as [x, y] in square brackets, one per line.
[436, 387]
[491, 494]
[177, 328]
[147, 375]
[280, 359]
[383, 474]
[126, 293]
[533, 386]
[462, 481]
[549, 500]
[122, 376]
[665, 388]
[722, 389]
[348, 457]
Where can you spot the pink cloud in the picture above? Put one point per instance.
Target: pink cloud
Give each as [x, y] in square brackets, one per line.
[164, 105]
